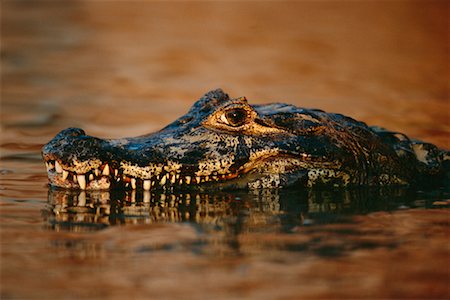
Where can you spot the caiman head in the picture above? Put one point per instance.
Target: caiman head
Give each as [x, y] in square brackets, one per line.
[221, 143]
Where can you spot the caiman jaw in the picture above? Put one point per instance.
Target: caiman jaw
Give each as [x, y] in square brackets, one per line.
[106, 177]
[75, 160]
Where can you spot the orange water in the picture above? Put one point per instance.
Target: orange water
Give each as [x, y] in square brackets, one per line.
[122, 69]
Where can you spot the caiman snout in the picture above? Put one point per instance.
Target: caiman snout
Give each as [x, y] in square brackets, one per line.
[75, 160]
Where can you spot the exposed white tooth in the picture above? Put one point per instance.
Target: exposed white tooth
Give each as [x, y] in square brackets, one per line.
[64, 175]
[133, 183]
[188, 179]
[97, 172]
[127, 184]
[163, 180]
[206, 178]
[106, 170]
[49, 166]
[82, 181]
[173, 179]
[163, 197]
[181, 181]
[177, 176]
[58, 167]
[214, 178]
[197, 179]
[74, 177]
[147, 185]
[91, 176]
[116, 172]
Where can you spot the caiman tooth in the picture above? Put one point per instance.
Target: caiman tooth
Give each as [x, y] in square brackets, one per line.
[74, 177]
[173, 179]
[188, 179]
[206, 178]
[49, 166]
[147, 185]
[82, 181]
[116, 172]
[105, 170]
[91, 177]
[197, 179]
[58, 167]
[163, 180]
[65, 174]
[96, 172]
[133, 183]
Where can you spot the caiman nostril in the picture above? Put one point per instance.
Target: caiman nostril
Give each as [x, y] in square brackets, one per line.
[72, 143]
[71, 132]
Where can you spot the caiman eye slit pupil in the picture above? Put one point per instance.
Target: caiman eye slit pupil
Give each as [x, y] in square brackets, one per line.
[236, 117]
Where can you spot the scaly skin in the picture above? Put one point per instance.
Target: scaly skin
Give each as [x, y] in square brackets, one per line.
[227, 143]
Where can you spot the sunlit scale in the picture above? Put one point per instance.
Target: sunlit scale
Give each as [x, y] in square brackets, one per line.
[105, 175]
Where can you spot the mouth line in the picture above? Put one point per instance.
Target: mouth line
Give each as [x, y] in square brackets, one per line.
[105, 177]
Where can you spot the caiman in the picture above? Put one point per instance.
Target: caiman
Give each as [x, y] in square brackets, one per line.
[225, 142]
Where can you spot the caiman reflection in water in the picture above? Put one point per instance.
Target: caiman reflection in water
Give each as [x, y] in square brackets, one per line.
[239, 216]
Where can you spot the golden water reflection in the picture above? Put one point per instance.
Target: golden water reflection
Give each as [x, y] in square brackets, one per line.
[267, 210]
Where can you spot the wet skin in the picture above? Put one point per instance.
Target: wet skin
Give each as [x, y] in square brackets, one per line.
[226, 143]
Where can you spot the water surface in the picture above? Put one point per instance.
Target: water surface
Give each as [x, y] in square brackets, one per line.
[123, 69]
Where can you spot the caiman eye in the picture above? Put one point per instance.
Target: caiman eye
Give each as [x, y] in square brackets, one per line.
[235, 117]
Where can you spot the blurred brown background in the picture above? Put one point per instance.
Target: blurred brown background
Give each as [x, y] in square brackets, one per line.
[124, 68]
